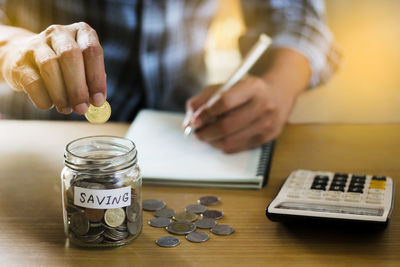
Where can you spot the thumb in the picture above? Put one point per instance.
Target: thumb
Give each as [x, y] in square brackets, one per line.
[195, 102]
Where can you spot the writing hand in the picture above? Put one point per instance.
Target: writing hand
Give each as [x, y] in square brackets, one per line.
[248, 115]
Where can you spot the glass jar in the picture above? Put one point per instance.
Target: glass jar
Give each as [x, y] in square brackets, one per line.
[101, 185]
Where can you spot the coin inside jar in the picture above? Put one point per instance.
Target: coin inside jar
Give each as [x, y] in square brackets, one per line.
[79, 223]
[98, 115]
[185, 216]
[181, 227]
[94, 215]
[114, 217]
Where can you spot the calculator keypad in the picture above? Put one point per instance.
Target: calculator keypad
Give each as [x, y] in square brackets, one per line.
[350, 188]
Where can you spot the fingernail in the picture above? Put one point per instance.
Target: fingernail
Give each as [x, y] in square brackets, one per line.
[81, 108]
[98, 99]
[65, 110]
[186, 120]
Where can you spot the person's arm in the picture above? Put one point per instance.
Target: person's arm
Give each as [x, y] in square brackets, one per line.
[61, 66]
[255, 110]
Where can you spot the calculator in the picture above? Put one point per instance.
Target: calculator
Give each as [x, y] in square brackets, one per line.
[332, 197]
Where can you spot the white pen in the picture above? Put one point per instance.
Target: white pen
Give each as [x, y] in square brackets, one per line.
[250, 59]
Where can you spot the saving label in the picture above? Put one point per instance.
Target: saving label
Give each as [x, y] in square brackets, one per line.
[102, 199]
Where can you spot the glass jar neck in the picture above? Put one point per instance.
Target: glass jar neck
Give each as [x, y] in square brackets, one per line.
[100, 155]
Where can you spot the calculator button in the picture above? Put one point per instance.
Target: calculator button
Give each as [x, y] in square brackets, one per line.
[341, 175]
[374, 200]
[340, 183]
[358, 176]
[379, 178]
[352, 197]
[376, 191]
[299, 179]
[356, 189]
[318, 186]
[337, 188]
[323, 183]
[333, 195]
[356, 184]
[377, 184]
[296, 184]
[314, 194]
[294, 193]
[321, 178]
[358, 181]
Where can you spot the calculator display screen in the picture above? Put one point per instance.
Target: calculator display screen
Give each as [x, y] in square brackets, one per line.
[331, 208]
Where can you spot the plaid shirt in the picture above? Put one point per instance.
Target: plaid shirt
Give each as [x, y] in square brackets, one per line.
[154, 50]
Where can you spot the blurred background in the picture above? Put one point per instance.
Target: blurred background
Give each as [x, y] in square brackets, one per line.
[367, 87]
[365, 90]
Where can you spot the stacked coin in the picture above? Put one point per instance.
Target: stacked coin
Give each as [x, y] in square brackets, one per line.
[103, 227]
[185, 223]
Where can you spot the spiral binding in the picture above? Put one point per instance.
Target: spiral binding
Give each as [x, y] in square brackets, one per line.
[265, 158]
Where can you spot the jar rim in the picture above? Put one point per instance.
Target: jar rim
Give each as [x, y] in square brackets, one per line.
[131, 148]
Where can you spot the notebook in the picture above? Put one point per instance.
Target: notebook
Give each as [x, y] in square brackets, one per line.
[167, 157]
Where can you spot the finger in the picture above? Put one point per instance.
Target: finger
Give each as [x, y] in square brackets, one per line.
[197, 101]
[50, 71]
[224, 102]
[73, 70]
[230, 123]
[93, 58]
[258, 133]
[30, 81]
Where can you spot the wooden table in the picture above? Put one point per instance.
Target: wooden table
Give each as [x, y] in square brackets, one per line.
[31, 230]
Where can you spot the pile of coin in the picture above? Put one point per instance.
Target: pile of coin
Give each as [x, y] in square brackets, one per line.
[186, 222]
[99, 227]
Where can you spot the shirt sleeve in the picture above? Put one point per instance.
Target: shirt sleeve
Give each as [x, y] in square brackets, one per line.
[298, 25]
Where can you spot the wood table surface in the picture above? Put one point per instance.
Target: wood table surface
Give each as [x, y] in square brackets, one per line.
[31, 226]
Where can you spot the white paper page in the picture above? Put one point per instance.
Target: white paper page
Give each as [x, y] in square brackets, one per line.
[165, 153]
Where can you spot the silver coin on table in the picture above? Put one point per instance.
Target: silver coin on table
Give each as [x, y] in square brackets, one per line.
[197, 237]
[185, 216]
[159, 222]
[209, 200]
[168, 241]
[164, 212]
[222, 229]
[196, 208]
[153, 204]
[214, 214]
[206, 223]
[181, 227]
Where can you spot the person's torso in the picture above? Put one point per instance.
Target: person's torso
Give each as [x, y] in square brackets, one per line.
[153, 49]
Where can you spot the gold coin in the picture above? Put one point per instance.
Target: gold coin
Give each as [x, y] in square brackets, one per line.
[185, 216]
[98, 115]
[114, 217]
